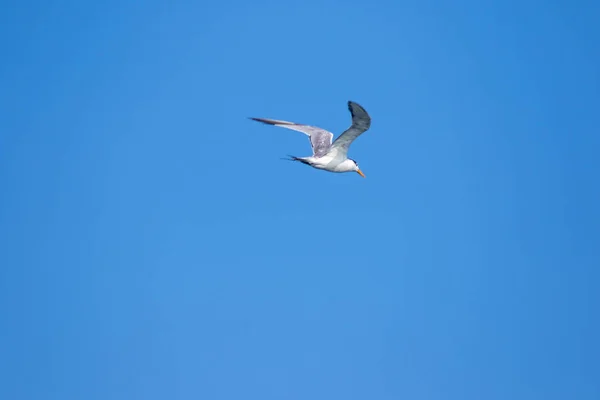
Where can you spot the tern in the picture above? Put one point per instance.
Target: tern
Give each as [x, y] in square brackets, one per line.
[328, 156]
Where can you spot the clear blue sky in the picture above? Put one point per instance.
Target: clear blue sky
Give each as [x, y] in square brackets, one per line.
[154, 245]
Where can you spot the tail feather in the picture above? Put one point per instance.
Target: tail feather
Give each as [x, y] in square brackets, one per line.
[299, 159]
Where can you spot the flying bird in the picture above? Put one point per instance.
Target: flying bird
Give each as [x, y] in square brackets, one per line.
[329, 156]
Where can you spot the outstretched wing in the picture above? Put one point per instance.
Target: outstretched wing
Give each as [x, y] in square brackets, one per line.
[320, 139]
[360, 124]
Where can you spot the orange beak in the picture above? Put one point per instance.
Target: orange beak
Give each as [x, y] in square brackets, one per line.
[358, 171]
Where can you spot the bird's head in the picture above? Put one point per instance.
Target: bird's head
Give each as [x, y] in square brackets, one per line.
[357, 169]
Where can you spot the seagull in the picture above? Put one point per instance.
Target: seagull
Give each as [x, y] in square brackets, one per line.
[328, 156]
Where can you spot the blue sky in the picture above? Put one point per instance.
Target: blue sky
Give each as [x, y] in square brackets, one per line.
[154, 245]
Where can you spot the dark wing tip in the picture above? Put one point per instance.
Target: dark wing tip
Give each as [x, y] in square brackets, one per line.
[272, 121]
[355, 108]
[350, 103]
[264, 121]
[359, 114]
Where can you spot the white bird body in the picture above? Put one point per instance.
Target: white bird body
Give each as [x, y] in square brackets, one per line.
[330, 163]
[327, 155]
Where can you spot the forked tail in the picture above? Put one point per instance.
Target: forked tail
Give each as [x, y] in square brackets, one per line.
[299, 159]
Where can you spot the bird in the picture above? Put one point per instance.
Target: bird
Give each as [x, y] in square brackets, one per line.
[327, 155]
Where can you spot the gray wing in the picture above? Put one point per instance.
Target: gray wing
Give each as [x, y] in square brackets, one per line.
[320, 139]
[320, 142]
[360, 124]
